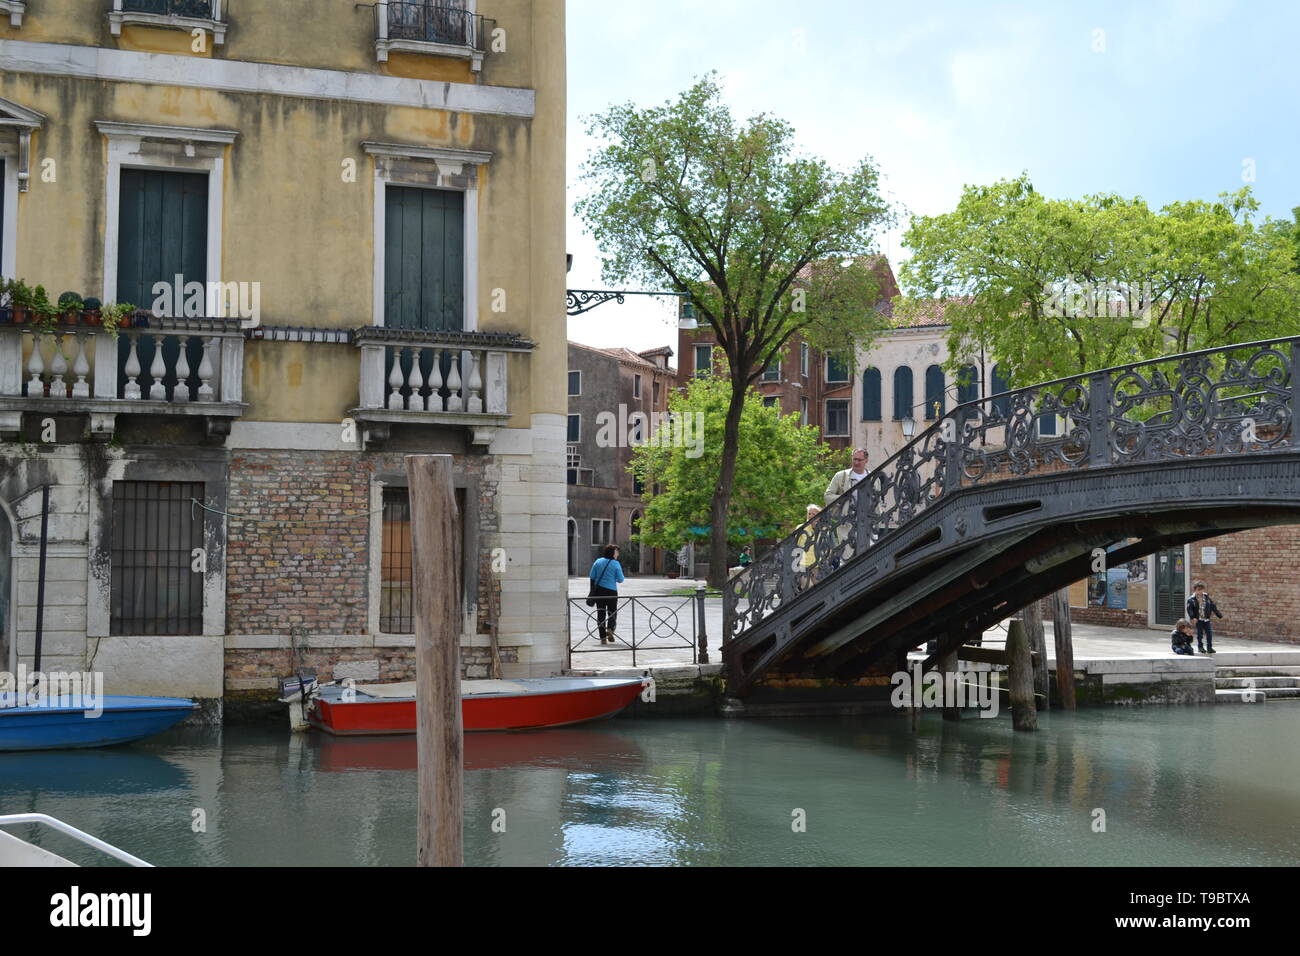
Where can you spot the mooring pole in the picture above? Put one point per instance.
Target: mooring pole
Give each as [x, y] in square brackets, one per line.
[435, 562]
[40, 573]
[1032, 615]
[1064, 647]
[1020, 678]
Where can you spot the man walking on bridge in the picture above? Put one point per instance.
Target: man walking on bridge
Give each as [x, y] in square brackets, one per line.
[846, 479]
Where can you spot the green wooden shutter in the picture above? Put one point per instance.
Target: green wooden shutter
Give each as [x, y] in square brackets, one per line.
[424, 266]
[162, 233]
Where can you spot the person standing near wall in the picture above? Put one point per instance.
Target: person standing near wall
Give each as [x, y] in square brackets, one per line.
[1199, 608]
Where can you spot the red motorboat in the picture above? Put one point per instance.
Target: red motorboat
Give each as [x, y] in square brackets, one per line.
[524, 704]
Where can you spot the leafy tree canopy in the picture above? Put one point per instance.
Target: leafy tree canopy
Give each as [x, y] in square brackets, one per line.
[781, 468]
[1138, 283]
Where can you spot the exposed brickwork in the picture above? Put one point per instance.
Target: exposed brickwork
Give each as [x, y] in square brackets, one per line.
[395, 663]
[1253, 582]
[284, 566]
[290, 570]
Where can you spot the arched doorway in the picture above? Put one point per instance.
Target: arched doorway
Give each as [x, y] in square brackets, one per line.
[573, 547]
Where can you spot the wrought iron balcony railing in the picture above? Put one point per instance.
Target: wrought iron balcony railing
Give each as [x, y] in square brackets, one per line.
[183, 14]
[1238, 399]
[422, 27]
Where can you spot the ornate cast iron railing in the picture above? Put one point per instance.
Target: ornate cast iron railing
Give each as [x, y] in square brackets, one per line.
[199, 9]
[1231, 400]
[434, 23]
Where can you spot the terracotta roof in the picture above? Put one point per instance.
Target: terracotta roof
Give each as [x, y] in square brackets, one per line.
[627, 355]
[662, 350]
[926, 312]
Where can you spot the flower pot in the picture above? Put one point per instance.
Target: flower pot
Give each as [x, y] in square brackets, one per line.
[22, 315]
[92, 316]
[71, 317]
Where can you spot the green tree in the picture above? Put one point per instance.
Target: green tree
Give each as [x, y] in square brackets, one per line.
[781, 468]
[763, 243]
[1204, 274]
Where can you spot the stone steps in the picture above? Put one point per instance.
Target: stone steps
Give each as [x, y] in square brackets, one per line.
[1246, 683]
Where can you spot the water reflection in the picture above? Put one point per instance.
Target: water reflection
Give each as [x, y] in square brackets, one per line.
[1179, 786]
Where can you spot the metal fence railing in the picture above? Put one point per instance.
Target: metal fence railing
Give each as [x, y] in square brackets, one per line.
[643, 623]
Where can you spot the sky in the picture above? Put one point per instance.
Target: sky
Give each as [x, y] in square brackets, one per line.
[1163, 99]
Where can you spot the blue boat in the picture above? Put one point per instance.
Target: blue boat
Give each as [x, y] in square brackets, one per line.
[76, 720]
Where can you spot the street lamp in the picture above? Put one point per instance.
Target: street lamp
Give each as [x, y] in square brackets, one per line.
[909, 427]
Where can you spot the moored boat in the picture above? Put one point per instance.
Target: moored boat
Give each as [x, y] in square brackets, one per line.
[524, 704]
[83, 720]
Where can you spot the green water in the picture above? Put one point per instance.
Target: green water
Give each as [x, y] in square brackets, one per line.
[1179, 786]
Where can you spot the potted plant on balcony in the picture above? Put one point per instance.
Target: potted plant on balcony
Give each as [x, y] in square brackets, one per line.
[70, 306]
[45, 314]
[92, 306]
[18, 296]
[116, 315]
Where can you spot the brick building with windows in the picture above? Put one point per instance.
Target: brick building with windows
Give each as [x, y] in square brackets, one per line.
[227, 489]
[817, 386]
[610, 387]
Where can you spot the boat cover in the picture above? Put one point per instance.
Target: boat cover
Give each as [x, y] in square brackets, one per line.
[468, 688]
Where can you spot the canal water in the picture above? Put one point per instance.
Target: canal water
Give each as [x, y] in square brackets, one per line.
[1176, 786]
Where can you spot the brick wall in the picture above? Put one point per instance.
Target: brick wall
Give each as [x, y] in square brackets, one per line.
[291, 570]
[1254, 582]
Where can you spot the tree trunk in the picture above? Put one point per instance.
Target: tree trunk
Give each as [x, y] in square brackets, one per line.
[722, 493]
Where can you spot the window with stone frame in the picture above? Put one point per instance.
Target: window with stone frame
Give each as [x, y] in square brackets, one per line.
[155, 532]
[396, 577]
[837, 417]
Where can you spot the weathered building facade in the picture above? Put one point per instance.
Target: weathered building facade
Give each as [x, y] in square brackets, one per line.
[610, 387]
[377, 193]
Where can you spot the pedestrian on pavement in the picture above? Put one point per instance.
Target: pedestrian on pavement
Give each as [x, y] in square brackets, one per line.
[606, 575]
[1180, 638]
[1199, 608]
[849, 477]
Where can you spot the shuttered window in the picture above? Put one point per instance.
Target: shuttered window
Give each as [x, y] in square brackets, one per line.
[902, 392]
[162, 234]
[934, 397]
[871, 395]
[153, 589]
[424, 259]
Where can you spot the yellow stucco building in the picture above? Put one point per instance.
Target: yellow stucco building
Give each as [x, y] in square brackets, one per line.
[346, 224]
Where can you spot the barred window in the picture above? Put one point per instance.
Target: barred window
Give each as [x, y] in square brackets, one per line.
[155, 531]
[396, 594]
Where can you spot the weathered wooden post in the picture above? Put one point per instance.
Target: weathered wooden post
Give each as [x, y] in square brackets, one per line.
[435, 560]
[1034, 632]
[948, 668]
[1020, 674]
[702, 654]
[1064, 647]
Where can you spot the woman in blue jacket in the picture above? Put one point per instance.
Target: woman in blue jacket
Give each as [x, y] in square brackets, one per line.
[606, 575]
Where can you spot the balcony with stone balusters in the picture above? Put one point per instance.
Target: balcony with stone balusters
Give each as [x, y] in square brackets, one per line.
[416, 377]
[189, 367]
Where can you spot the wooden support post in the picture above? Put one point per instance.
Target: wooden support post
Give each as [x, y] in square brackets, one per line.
[435, 559]
[1033, 618]
[1064, 648]
[1020, 675]
[947, 667]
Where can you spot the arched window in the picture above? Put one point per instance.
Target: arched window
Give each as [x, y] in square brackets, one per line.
[968, 387]
[902, 392]
[871, 395]
[934, 398]
[1001, 382]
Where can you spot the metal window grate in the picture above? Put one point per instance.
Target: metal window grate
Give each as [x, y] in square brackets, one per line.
[396, 595]
[155, 531]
